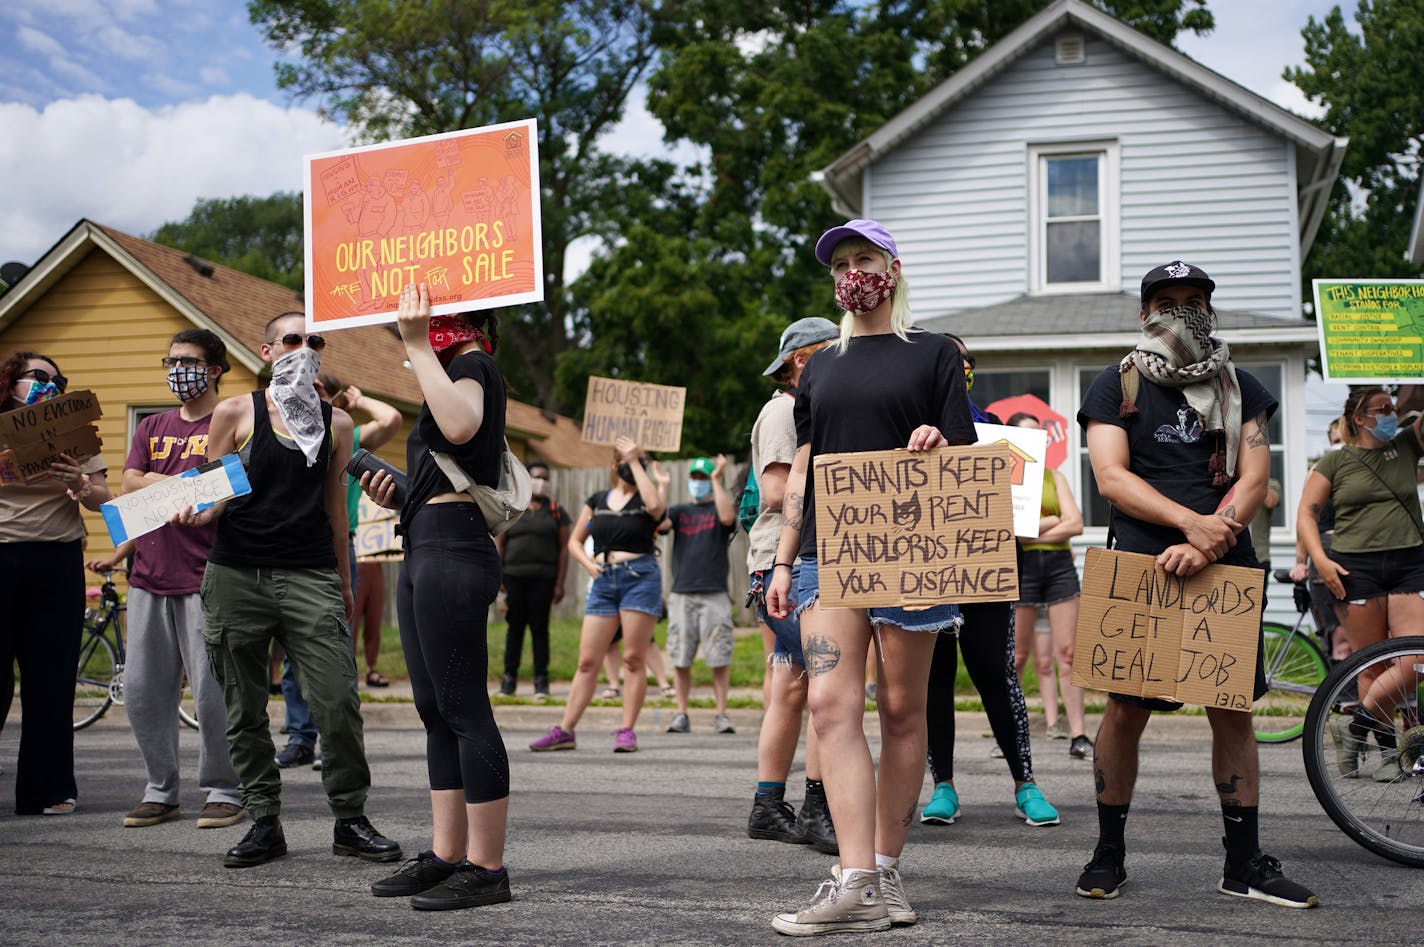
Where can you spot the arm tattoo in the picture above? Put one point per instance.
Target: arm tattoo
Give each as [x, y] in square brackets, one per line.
[1228, 511]
[791, 510]
[1315, 508]
[822, 655]
[1259, 439]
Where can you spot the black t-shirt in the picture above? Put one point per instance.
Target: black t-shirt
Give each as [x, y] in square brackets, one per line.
[873, 397]
[699, 548]
[531, 545]
[479, 456]
[1169, 450]
[629, 529]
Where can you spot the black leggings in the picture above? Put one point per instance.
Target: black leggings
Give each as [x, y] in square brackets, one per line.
[987, 640]
[529, 602]
[451, 575]
[41, 612]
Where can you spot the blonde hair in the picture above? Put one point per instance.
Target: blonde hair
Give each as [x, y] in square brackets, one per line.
[900, 318]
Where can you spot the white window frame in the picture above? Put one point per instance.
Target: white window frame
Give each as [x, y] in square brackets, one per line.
[1109, 153]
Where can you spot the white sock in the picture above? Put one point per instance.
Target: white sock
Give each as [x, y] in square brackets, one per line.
[850, 876]
[885, 861]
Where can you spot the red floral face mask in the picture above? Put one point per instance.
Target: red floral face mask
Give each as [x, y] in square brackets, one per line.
[859, 291]
[447, 334]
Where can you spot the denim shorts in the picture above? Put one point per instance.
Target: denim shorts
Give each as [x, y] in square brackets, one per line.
[632, 586]
[787, 630]
[933, 619]
[1047, 577]
[1372, 574]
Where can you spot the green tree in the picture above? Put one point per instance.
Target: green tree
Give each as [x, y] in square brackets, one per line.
[1368, 83]
[257, 235]
[400, 68]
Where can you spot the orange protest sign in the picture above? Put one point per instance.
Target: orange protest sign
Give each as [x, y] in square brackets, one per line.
[459, 212]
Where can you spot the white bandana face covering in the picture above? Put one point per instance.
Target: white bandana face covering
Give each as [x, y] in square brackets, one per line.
[293, 390]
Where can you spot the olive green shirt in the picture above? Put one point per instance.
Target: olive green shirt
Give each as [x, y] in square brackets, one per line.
[1370, 515]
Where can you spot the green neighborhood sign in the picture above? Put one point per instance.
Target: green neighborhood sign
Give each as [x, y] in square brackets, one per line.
[1370, 330]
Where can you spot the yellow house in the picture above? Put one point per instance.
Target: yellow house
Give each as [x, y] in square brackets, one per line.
[104, 304]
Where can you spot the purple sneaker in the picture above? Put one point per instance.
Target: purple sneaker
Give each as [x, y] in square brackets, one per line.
[556, 739]
[625, 741]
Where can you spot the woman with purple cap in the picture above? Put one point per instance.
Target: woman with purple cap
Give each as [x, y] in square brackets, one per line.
[881, 386]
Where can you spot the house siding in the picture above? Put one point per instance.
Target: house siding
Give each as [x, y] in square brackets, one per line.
[1197, 182]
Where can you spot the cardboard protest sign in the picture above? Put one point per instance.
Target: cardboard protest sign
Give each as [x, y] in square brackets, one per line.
[1371, 330]
[649, 414]
[1027, 450]
[143, 511]
[916, 529]
[376, 539]
[1145, 632]
[458, 211]
[33, 437]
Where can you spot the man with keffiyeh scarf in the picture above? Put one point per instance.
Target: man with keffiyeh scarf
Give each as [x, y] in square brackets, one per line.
[1178, 440]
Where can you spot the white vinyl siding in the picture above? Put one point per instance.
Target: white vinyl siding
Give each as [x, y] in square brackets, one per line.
[1197, 182]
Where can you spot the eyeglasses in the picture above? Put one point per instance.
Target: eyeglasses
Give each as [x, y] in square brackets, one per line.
[293, 340]
[44, 378]
[186, 361]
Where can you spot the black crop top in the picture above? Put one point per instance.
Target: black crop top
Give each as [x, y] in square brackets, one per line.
[630, 529]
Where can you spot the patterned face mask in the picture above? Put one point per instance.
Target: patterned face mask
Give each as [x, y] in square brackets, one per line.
[187, 383]
[859, 291]
[38, 391]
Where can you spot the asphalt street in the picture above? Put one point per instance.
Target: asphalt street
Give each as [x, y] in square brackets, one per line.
[650, 848]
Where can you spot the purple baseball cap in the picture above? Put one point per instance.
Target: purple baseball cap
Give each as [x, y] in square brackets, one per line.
[866, 229]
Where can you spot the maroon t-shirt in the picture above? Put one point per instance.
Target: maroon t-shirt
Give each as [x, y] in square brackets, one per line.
[170, 560]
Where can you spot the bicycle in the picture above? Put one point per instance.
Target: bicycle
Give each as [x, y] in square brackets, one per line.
[1376, 798]
[1296, 660]
[100, 676]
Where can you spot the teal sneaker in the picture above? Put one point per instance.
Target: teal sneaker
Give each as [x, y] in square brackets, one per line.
[943, 807]
[1030, 806]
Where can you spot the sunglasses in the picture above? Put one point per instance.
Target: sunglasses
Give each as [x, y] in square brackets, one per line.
[293, 340]
[186, 361]
[44, 378]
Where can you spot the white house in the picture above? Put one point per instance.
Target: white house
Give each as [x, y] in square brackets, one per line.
[1030, 192]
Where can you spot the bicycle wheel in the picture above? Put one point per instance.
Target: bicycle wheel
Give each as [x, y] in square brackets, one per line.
[1295, 666]
[1376, 799]
[93, 683]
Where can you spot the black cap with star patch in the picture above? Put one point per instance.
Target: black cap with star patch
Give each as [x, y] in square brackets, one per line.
[1174, 272]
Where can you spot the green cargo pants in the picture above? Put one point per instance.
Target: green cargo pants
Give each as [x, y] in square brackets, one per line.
[244, 609]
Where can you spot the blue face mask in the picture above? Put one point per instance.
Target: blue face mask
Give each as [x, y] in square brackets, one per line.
[39, 391]
[700, 489]
[1386, 427]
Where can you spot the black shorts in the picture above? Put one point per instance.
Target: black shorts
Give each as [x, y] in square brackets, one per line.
[1047, 577]
[1372, 574]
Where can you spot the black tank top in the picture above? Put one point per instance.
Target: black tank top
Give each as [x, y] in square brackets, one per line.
[630, 529]
[282, 523]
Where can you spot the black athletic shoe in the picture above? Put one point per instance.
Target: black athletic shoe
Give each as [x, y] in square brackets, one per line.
[1259, 878]
[359, 838]
[1081, 748]
[468, 886]
[507, 685]
[815, 821]
[296, 754]
[262, 843]
[420, 873]
[772, 818]
[1104, 876]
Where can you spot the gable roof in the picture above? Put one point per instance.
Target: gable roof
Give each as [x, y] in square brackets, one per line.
[1318, 153]
[237, 306]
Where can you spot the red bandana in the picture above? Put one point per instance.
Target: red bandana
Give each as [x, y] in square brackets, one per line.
[448, 333]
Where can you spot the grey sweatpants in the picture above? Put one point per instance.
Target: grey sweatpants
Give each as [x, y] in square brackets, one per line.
[165, 638]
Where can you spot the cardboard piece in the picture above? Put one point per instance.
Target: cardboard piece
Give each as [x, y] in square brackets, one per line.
[33, 437]
[1027, 451]
[376, 539]
[649, 414]
[916, 529]
[1145, 632]
[143, 511]
[1371, 330]
[458, 211]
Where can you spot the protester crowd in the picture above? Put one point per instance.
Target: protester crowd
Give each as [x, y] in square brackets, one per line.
[213, 591]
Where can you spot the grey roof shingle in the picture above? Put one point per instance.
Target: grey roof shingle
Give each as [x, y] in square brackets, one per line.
[1079, 314]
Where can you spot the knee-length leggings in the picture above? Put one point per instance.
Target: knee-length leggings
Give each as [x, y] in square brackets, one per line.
[451, 575]
[987, 640]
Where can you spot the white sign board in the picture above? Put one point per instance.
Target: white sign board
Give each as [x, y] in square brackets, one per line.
[142, 511]
[1027, 447]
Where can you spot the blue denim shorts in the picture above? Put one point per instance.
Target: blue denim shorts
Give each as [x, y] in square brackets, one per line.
[632, 586]
[787, 630]
[933, 619]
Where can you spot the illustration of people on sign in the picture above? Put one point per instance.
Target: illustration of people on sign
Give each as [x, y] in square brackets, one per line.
[377, 219]
[506, 205]
[416, 208]
[441, 203]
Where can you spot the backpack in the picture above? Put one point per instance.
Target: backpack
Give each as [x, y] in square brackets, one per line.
[501, 505]
[748, 501]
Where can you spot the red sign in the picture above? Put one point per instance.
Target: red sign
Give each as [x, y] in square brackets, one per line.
[1054, 423]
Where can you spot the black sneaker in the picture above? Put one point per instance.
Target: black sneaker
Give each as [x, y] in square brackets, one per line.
[1260, 878]
[359, 838]
[1081, 748]
[1104, 876]
[507, 685]
[420, 873]
[296, 754]
[468, 886]
[262, 843]
[772, 818]
[815, 821]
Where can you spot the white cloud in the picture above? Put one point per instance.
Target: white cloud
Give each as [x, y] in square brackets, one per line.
[134, 168]
[39, 42]
[214, 75]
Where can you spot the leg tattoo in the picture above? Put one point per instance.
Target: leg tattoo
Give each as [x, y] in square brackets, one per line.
[822, 655]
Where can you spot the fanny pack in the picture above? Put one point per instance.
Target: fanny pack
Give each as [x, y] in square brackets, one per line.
[501, 505]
